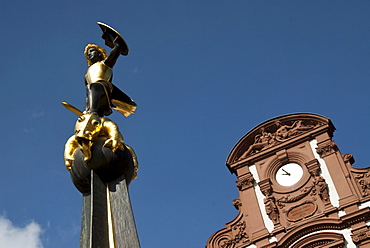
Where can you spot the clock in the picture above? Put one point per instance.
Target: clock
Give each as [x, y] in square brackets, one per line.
[289, 174]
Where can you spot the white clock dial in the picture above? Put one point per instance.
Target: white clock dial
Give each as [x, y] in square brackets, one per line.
[289, 174]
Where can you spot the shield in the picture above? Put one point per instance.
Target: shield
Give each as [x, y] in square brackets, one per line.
[110, 34]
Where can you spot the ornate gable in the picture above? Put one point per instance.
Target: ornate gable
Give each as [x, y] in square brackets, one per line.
[295, 188]
[272, 133]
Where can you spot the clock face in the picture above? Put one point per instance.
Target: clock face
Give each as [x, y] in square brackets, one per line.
[289, 174]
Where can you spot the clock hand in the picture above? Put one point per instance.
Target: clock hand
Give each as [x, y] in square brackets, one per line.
[286, 173]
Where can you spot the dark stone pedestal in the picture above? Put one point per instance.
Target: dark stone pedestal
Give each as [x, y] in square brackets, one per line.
[107, 218]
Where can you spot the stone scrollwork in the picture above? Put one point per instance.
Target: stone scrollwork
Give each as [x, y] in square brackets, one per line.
[289, 199]
[363, 181]
[239, 236]
[237, 203]
[348, 158]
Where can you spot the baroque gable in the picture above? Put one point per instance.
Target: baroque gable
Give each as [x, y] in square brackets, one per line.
[296, 189]
[275, 132]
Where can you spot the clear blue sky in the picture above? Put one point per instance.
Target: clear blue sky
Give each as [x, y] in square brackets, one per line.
[203, 73]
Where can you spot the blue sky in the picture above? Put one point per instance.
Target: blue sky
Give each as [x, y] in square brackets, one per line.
[203, 73]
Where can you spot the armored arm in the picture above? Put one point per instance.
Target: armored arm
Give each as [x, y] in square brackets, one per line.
[113, 55]
[115, 41]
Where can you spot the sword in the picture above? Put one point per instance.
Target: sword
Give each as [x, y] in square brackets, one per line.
[72, 108]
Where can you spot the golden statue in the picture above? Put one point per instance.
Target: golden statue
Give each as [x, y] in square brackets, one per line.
[87, 129]
[97, 143]
[102, 95]
[90, 128]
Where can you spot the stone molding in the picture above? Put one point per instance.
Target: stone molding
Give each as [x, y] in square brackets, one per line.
[361, 235]
[323, 239]
[329, 223]
[313, 166]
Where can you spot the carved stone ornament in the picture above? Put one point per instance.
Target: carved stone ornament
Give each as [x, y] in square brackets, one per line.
[321, 188]
[363, 183]
[326, 148]
[278, 133]
[245, 182]
[239, 236]
[237, 203]
[234, 235]
[290, 199]
[270, 202]
[348, 158]
[271, 208]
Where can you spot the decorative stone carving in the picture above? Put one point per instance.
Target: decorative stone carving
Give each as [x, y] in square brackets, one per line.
[326, 148]
[348, 158]
[271, 208]
[239, 236]
[261, 141]
[265, 186]
[270, 202]
[285, 131]
[282, 132]
[290, 199]
[237, 203]
[245, 182]
[320, 187]
[363, 182]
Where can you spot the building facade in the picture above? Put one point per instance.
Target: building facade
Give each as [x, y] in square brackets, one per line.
[296, 190]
